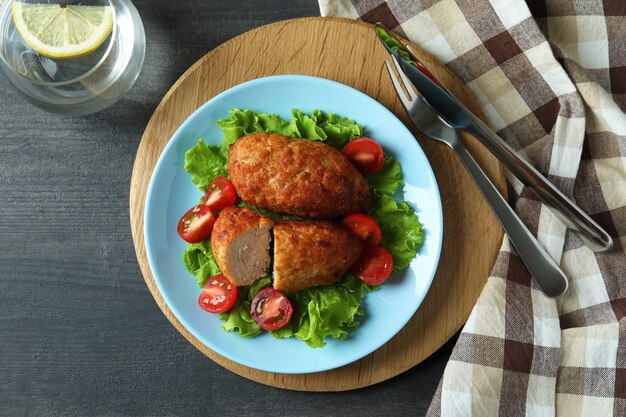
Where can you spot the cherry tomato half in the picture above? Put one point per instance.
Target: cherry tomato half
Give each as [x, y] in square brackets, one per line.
[374, 266]
[197, 224]
[427, 73]
[365, 228]
[365, 154]
[270, 309]
[220, 194]
[218, 294]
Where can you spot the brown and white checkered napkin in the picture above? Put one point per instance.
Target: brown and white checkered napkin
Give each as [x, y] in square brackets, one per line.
[551, 77]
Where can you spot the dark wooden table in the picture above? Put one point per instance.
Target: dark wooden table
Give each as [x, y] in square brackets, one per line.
[80, 334]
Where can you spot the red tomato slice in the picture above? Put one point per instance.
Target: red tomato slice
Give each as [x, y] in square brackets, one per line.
[197, 224]
[427, 73]
[270, 309]
[218, 294]
[365, 228]
[374, 266]
[220, 194]
[365, 154]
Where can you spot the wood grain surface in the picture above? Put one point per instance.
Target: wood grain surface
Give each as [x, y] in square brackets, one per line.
[348, 52]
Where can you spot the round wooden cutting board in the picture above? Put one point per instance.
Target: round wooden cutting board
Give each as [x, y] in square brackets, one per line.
[345, 51]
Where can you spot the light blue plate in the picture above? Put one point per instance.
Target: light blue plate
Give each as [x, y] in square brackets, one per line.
[171, 193]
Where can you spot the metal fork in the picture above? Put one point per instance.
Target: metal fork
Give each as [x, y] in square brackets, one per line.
[546, 273]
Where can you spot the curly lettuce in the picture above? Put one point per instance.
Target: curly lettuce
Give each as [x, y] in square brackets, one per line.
[239, 318]
[402, 232]
[394, 45]
[200, 262]
[386, 181]
[204, 163]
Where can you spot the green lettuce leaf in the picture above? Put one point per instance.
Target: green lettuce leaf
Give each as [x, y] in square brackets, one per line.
[339, 130]
[307, 126]
[239, 124]
[394, 45]
[239, 317]
[204, 163]
[329, 127]
[273, 123]
[402, 231]
[388, 179]
[199, 261]
[330, 311]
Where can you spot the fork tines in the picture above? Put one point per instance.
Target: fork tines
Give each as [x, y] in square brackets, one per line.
[407, 101]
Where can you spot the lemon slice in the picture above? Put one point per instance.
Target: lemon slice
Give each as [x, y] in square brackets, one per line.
[62, 32]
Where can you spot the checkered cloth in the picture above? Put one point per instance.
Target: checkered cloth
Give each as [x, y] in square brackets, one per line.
[551, 78]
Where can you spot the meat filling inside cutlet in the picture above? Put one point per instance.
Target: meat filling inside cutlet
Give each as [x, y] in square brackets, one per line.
[241, 244]
[248, 256]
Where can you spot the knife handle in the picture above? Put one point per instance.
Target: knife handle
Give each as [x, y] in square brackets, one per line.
[546, 273]
[594, 237]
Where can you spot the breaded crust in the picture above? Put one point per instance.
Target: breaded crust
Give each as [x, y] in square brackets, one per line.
[241, 242]
[312, 253]
[295, 176]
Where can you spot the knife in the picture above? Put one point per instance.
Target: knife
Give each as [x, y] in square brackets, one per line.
[456, 115]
